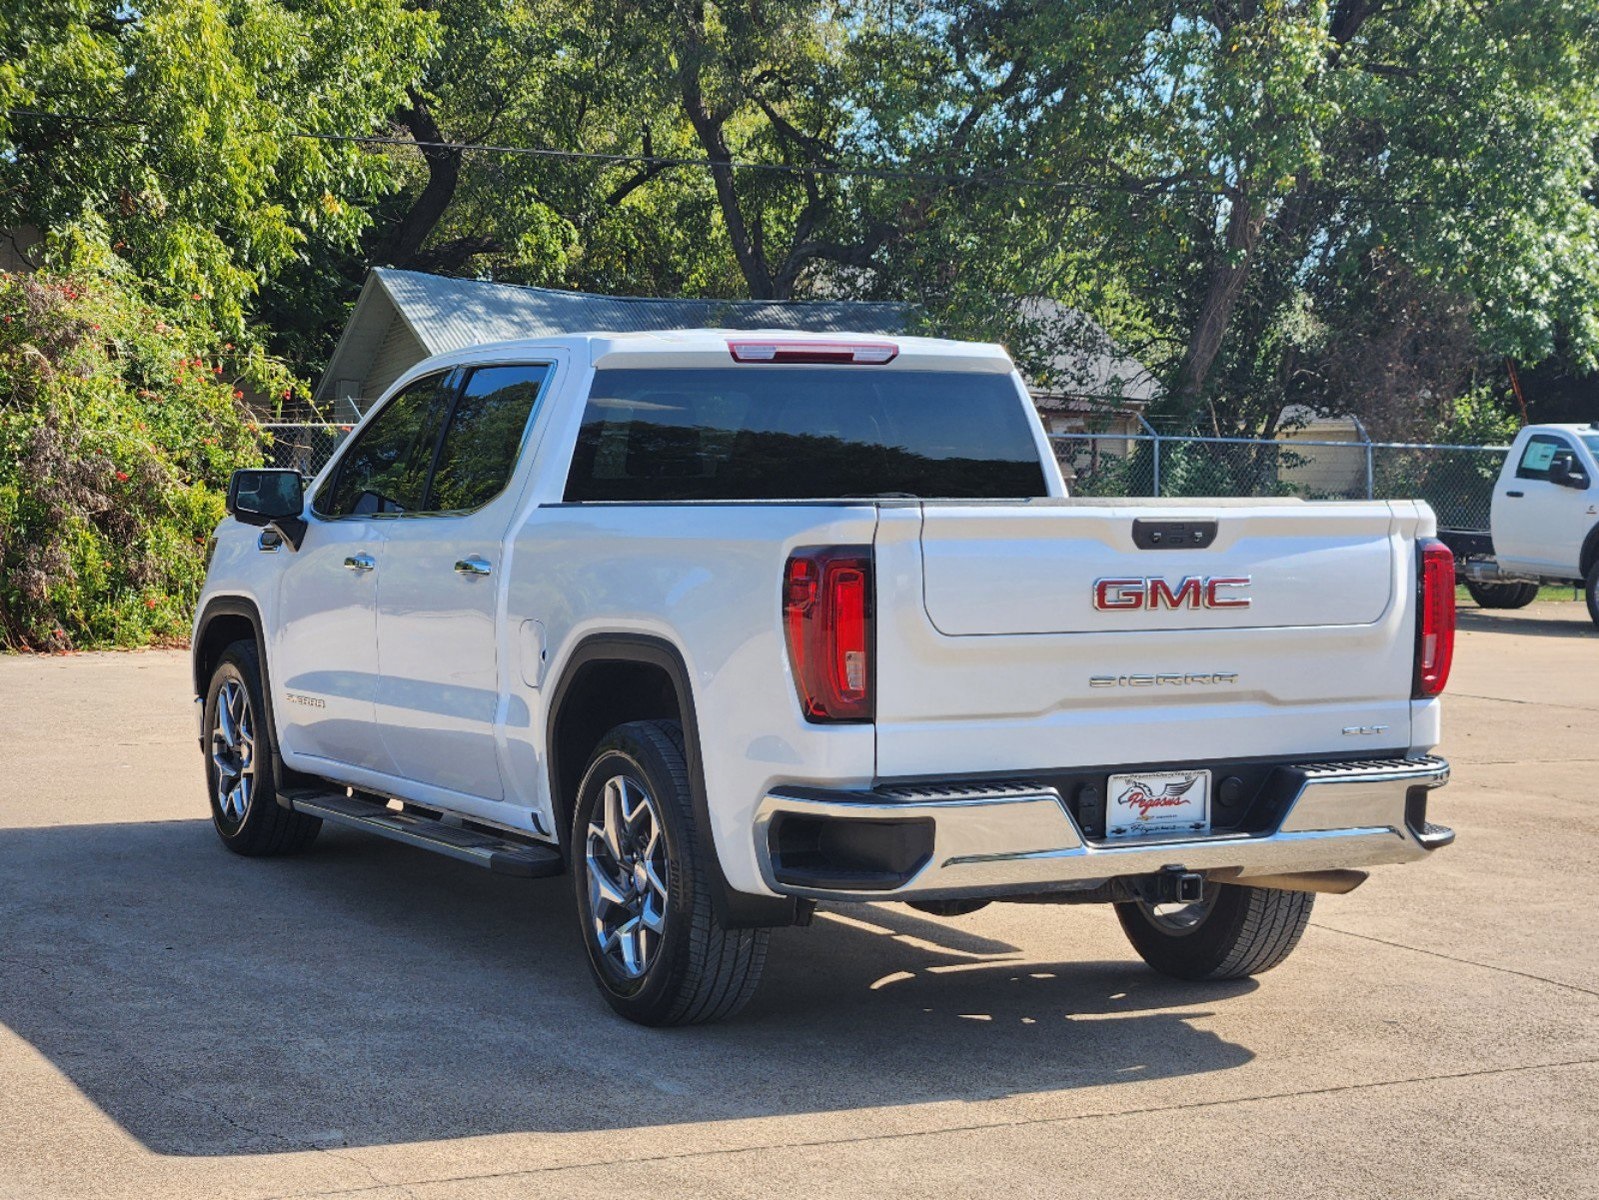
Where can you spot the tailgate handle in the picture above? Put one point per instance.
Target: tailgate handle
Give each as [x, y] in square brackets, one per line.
[1515, 495]
[1173, 535]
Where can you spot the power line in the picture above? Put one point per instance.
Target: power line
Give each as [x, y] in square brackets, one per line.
[733, 164]
[672, 161]
[1001, 178]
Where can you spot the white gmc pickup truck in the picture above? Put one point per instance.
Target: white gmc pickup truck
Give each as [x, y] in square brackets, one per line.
[729, 624]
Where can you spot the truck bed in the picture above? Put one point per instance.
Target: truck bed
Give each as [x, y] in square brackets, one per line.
[1468, 543]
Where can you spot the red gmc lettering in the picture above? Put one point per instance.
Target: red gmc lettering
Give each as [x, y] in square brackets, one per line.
[1187, 594]
[1119, 593]
[1213, 600]
[1192, 591]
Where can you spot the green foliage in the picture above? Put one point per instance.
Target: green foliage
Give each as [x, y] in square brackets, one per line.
[1335, 204]
[778, 83]
[118, 430]
[178, 138]
[1476, 419]
[1345, 205]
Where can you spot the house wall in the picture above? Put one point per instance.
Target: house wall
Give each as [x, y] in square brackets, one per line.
[1322, 471]
[397, 353]
[1086, 458]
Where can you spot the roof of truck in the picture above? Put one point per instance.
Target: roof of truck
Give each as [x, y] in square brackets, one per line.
[679, 348]
[1566, 427]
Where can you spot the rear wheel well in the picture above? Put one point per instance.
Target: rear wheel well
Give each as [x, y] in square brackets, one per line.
[601, 695]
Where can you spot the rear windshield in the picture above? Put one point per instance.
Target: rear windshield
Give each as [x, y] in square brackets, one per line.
[803, 433]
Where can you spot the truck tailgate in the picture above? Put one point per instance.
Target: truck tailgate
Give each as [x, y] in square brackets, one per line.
[1033, 570]
[1047, 637]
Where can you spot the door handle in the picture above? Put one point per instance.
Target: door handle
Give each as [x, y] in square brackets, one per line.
[360, 562]
[1515, 495]
[476, 565]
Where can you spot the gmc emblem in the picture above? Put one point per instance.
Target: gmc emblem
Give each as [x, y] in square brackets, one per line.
[1194, 591]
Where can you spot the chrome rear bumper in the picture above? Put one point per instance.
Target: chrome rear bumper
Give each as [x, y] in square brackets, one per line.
[1020, 838]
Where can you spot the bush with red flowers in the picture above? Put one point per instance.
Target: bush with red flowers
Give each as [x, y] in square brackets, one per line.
[117, 435]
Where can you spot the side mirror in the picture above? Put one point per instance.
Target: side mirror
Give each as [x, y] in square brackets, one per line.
[269, 497]
[1567, 473]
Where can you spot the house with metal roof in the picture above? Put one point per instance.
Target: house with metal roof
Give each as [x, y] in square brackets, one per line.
[1085, 384]
[402, 317]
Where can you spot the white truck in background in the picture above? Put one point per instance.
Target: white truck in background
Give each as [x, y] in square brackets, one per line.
[1543, 523]
[727, 625]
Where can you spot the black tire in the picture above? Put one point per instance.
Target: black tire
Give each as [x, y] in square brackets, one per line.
[692, 970]
[1502, 595]
[1591, 590]
[1240, 931]
[249, 819]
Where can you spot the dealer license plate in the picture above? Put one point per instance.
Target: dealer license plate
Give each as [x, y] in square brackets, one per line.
[1157, 802]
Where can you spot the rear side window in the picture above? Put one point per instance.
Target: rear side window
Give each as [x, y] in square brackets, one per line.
[803, 433]
[1540, 453]
[485, 435]
[385, 470]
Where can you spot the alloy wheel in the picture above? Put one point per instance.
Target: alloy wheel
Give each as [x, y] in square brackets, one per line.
[233, 751]
[625, 854]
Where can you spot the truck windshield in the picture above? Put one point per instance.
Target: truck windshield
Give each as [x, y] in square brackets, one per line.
[1591, 440]
[790, 433]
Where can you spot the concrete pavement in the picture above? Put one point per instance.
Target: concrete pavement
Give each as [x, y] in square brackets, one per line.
[367, 1020]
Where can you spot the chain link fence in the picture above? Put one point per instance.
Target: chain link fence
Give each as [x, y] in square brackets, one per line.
[1456, 480]
[304, 447]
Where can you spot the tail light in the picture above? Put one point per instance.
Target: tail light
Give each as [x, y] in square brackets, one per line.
[827, 620]
[1435, 622]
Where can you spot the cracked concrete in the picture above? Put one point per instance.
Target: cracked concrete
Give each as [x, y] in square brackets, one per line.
[368, 1021]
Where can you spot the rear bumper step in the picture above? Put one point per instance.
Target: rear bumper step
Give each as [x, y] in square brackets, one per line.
[505, 856]
[932, 841]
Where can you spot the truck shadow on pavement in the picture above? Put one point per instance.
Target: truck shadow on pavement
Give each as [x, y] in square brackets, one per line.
[368, 994]
[1573, 625]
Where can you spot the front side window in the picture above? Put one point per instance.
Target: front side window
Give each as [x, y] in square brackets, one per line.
[386, 468]
[485, 435]
[1540, 453]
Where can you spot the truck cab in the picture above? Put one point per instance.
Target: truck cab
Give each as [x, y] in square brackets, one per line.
[1546, 503]
[1543, 523]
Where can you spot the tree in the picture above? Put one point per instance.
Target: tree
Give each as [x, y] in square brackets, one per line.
[118, 425]
[175, 127]
[653, 78]
[828, 99]
[1268, 185]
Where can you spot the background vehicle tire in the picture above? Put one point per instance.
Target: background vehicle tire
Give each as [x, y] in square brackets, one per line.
[1592, 591]
[1502, 595]
[1236, 931]
[238, 763]
[641, 870]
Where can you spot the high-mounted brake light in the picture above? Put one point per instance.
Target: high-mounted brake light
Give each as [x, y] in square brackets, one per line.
[858, 353]
[827, 622]
[1435, 622]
